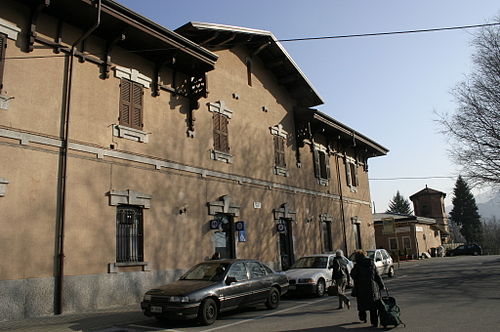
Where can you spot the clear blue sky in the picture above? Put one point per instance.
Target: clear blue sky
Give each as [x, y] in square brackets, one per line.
[387, 88]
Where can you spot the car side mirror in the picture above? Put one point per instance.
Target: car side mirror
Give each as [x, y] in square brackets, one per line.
[230, 280]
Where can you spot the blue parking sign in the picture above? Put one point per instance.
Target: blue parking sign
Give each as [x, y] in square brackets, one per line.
[242, 236]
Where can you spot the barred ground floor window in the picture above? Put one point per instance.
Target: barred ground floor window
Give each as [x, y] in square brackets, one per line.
[129, 234]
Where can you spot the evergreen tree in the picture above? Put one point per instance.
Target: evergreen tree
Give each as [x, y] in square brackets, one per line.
[464, 212]
[399, 205]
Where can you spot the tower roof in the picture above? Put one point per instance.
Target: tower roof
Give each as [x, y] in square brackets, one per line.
[426, 192]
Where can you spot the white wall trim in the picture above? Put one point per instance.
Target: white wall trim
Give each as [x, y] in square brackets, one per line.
[10, 29]
[220, 107]
[134, 75]
[26, 139]
[278, 131]
[129, 197]
[130, 133]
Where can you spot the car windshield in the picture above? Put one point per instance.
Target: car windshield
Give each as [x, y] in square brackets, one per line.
[212, 271]
[370, 254]
[310, 263]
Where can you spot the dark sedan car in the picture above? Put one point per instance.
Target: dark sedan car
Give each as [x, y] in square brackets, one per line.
[215, 286]
[466, 249]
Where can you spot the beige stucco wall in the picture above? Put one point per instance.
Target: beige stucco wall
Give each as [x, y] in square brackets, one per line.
[172, 241]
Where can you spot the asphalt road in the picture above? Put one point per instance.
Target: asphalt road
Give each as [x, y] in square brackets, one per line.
[438, 294]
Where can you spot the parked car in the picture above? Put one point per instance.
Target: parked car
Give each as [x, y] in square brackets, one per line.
[215, 286]
[383, 261]
[466, 249]
[312, 274]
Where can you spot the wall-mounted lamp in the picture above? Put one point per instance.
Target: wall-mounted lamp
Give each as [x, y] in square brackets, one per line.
[183, 210]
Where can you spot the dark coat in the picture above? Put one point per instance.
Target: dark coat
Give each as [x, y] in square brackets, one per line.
[367, 284]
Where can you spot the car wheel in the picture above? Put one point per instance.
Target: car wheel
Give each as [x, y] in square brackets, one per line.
[320, 288]
[391, 272]
[207, 313]
[273, 299]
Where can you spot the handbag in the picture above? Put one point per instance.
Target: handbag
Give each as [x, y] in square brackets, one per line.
[332, 290]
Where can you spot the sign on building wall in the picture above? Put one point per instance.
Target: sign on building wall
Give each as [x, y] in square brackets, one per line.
[419, 229]
[403, 229]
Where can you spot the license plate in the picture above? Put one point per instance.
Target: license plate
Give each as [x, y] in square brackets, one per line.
[156, 309]
[292, 287]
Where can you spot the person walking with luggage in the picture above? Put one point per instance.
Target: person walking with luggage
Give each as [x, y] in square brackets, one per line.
[341, 277]
[367, 286]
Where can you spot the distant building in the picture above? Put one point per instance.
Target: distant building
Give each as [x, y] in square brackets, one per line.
[406, 235]
[429, 203]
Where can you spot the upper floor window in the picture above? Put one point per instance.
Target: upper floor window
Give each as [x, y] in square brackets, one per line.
[221, 135]
[352, 173]
[321, 166]
[131, 104]
[3, 46]
[279, 143]
[221, 116]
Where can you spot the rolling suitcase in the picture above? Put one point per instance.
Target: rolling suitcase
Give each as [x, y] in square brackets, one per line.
[389, 311]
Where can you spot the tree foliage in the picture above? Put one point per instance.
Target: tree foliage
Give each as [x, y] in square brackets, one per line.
[474, 128]
[399, 204]
[491, 237]
[464, 213]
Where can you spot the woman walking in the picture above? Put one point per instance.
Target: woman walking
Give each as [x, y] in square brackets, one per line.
[367, 286]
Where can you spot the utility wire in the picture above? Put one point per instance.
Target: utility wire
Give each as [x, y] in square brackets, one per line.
[373, 34]
[414, 178]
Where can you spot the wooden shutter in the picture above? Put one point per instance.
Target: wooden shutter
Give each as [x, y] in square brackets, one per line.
[348, 171]
[356, 177]
[279, 151]
[317, 167]
[3, 46]
[221, 140]
[125, 102]
[137, 101]
[327, 165]
[131, 104]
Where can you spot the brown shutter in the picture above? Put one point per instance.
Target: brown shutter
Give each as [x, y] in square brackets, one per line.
[348, 171]
[125, 102]
[137, 102]
[317, 168]
[216, 118]
[327, 165]
[224, 135]
[279, 151]
[3, 46]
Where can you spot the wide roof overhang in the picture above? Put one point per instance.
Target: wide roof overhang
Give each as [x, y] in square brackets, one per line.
[142, 36]
[263, 44]
[329, 127]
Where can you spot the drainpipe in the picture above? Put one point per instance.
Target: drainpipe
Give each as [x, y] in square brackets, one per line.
[341, 202]
[58, 301]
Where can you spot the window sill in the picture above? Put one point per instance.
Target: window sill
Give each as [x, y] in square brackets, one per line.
[222, 156]
[114, 267]
[130, 133]
[278, 170]
[323, 182]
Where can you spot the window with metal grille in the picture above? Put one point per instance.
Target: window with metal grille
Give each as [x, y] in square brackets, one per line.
[221, 141]
[131, 104]
[3, 46]
[279, 151]
[129, 234]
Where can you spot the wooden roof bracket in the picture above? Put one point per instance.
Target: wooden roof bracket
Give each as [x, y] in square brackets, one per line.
[110, 44]
[260, 48]
[35, 12]
[156, 77]
[198, 88]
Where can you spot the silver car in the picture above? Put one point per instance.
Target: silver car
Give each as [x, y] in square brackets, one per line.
[312, 274]
[383, 261]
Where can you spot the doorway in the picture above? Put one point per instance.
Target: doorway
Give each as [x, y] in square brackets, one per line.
[224, 241]
[286, 243]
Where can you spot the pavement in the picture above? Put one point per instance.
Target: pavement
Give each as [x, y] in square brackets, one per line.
[105, 320]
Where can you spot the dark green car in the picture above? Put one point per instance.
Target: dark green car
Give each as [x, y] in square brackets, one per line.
[215, 286]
